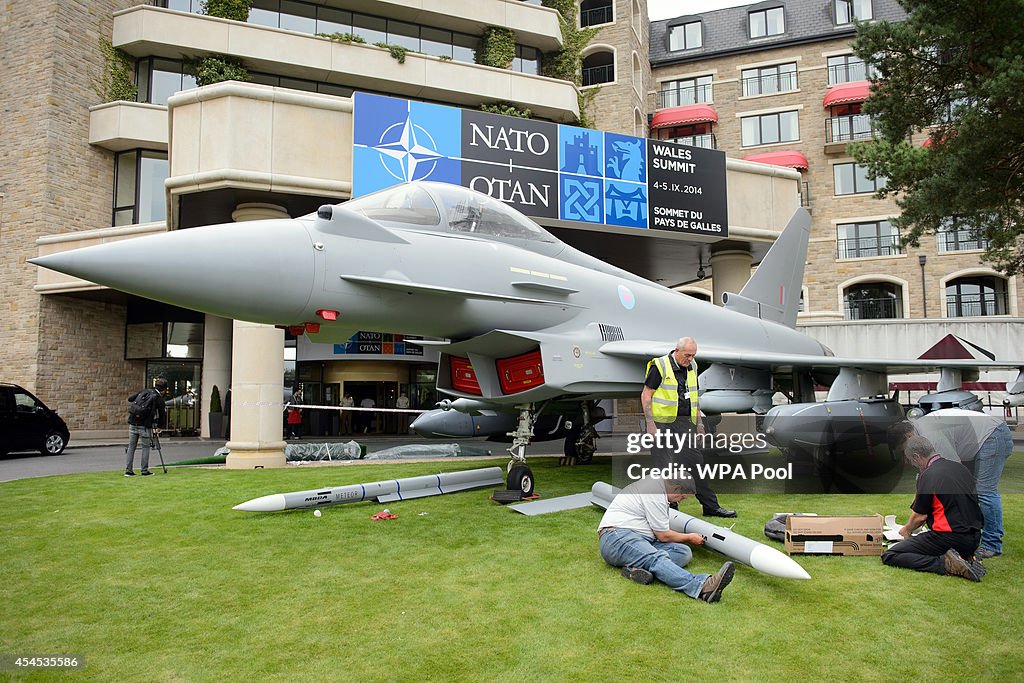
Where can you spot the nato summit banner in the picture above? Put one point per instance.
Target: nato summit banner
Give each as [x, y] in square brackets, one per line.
[543, 169]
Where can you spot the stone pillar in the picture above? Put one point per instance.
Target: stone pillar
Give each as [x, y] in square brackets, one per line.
[216, 367]
[730, 269]
[257, 372]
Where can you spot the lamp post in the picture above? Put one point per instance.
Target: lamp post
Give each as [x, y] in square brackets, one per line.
[921, 260]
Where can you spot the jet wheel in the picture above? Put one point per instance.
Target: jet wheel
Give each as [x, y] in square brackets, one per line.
[520, 478]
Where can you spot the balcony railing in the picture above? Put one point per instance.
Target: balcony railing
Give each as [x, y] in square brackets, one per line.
[873, 309]
[680, 97]
[593, 17]
[847, 128]
[707, 141]
[769, 84]
[863, 247]
[595, 75]
[965, 305]
[960, 240]
[847, 73]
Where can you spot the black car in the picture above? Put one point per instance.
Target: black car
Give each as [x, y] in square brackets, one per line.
[27, 424]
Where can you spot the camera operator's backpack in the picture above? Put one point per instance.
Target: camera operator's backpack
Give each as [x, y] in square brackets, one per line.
[141, 409]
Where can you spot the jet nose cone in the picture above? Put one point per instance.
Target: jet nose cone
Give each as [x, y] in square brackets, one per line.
[261, 271]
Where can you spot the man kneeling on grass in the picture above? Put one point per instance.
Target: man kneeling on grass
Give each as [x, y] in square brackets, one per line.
[948, 501]
[634, 534]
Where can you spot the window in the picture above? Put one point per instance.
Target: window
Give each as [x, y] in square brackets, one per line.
[685, 36]
[851, 178]
[139, 177]
[595, 12]
[848, 10]
[307, 17]
[848, 68]
[158, 79]
[695, 135]
[873, 301]
[769, 79]
[194, 6]
[768, 129]
[766, 22]
[847, 123]
[955, 235]
[527, 60]
[861, 240]
[686, 91]
[598, 68]
[978, 295]
[638, 74]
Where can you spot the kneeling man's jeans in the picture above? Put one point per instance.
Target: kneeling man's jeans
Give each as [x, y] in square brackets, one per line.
[625, 548]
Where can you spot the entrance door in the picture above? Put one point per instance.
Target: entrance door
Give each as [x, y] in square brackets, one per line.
[183, 390]
[331, 419]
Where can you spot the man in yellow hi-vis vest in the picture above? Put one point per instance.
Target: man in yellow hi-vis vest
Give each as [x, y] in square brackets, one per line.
[671, 404]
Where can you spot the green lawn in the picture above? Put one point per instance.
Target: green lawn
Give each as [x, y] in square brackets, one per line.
[158, 579]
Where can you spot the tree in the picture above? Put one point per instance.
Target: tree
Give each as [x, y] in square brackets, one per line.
[956, 69]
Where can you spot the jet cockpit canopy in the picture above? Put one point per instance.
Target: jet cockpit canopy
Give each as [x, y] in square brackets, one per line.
[448, 208]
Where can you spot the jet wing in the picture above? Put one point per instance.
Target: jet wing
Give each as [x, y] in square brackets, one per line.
[787, 361]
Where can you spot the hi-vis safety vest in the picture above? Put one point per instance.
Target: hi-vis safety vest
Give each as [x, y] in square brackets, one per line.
[665, 400]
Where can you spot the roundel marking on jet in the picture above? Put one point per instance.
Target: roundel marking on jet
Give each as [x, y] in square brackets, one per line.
[626, 297]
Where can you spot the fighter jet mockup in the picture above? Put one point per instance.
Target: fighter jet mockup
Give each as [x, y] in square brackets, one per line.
[527, 321]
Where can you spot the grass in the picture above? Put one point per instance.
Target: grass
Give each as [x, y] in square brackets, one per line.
[157, 579]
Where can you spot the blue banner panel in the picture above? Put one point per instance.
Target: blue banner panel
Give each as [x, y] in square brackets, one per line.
[397, 141]
[544, 170]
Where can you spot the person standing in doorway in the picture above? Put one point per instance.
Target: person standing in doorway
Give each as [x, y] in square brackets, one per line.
[367, 416]
[346, 414]
[294, 417]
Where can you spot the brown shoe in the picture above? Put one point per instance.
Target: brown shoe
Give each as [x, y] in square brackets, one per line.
[958, 566]
[713, 586]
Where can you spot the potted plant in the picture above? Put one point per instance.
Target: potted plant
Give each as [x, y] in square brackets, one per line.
[216, 415]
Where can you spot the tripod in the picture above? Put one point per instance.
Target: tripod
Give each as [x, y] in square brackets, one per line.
[156, 446]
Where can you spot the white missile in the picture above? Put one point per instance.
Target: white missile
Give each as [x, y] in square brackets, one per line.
[729, 543]
[382, 491]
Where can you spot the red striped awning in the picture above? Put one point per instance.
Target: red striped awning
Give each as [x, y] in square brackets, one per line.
[845, 93]
[788, 157]
[681, 116]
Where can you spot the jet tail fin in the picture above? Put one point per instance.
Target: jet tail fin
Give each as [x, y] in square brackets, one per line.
[773, 291]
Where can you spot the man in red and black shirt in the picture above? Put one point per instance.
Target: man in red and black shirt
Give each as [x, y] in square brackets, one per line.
[948, 500]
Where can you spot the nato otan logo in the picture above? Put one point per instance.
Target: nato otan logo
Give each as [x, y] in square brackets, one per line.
[407, 151]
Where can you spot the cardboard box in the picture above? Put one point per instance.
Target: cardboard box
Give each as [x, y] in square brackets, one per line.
[824, 535]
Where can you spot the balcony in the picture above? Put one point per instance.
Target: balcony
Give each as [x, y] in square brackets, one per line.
[596, 75]
[769, 84]
[145, 31]
[963, 239]
[707, 141]
[970, 305]
[680, 97]
[118, 126]
[873, 309]
[840, 130]
[866, 247]
[596, 16]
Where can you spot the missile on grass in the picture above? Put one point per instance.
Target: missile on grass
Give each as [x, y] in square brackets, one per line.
[386, 491]
[729, 543]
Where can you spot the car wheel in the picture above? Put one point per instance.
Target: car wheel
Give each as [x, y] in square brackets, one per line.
[53, 444]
